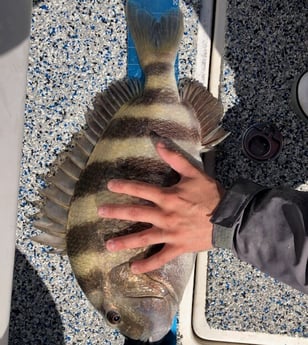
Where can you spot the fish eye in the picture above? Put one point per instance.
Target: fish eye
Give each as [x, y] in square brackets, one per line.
[113, 317]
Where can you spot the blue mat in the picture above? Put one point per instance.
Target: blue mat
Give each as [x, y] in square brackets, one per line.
[156, 8]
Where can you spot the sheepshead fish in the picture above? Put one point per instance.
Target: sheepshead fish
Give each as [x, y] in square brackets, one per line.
[118, 143]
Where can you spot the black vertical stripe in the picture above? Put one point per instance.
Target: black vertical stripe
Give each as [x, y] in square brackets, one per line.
[92, 282]
[92, 236]
[130, 127]
[158, 95]
[95, 177]
[157, 68]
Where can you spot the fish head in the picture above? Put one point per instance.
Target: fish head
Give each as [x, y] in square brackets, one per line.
[141, 306]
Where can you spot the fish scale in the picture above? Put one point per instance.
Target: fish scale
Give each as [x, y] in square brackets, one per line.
[123, 126]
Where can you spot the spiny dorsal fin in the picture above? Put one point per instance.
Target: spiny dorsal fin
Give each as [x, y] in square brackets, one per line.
[208, 111]
[59, 194]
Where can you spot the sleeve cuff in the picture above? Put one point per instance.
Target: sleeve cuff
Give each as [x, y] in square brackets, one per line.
[222, 236]
[227, 215]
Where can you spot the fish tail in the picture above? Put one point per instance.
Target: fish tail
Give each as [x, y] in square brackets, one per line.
[156, 41]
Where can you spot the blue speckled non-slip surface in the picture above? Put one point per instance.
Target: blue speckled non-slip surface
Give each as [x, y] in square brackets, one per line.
[77, 48]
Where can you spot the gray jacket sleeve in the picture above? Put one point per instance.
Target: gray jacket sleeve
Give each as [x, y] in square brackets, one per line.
[266, 227]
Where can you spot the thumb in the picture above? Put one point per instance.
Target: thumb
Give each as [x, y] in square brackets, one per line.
[178, 159]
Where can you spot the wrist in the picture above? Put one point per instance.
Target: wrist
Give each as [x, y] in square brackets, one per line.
[227, 216]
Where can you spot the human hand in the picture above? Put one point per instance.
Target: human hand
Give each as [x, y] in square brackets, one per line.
[180, 215]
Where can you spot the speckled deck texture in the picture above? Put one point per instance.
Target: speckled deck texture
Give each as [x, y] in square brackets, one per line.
[77, 48]
[266, 48]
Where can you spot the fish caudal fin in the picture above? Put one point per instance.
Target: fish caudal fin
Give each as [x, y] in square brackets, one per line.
[58, 196]
[156, 41]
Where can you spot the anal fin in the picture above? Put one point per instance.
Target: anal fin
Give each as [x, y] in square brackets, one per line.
[57, 196]
[49, 226]
[51, 240]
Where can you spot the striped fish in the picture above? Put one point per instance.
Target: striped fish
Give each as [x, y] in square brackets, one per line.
[118, 143]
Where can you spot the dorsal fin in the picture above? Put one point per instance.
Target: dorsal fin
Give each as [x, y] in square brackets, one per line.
[58, 195]
[208, 111]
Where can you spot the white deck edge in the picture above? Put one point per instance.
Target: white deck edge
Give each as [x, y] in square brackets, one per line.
[204, 42]
[202, 330]
[13, 68]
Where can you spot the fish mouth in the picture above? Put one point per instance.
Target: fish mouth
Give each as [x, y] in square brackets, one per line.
[155, 336]
[153, 289]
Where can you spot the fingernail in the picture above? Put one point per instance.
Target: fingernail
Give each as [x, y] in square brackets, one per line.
[112, 183]
[160, 143]
[110, 245]
[101, 211]
[134, 268]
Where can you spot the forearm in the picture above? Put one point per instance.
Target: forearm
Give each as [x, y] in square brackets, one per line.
[267, 228]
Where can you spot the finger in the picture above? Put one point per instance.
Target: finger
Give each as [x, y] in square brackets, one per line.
[137, 240]
[140, 213]
[178, 162]
[137, 189]
[155, 261]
